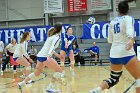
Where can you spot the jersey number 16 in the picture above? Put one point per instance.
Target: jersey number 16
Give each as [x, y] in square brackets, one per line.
[116, 28]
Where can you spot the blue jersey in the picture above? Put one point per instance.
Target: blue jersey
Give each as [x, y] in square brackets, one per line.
[64, 36]
[94, 49]
[76, 50]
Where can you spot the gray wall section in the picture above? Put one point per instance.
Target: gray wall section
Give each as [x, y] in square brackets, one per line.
[20, 13]
[135, 12]
[27, 11]
[2, 10]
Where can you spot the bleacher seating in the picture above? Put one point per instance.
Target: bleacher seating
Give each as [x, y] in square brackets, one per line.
[85, 43]
[103, 46]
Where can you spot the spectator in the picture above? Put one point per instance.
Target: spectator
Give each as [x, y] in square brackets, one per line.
[9, 51]
[94, 51]
[33, 53]
[76, 54]
[75, 42]
[1, 51]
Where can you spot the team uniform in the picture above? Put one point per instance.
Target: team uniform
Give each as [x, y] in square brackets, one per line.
[21, 50]
[120, 30]
[94, 49]
[47, 50]
[9, 56]
[77, 57]
[10, 49]
[76, 50]
[64, 36]
[1, 51]
[1, 46]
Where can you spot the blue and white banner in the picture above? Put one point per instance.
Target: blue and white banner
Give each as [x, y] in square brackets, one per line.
[100, 30]
[38, 33]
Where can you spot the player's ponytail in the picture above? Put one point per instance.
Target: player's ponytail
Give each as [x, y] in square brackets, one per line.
[50, 32]
[123, 6]
[24, 36]
[56, 29]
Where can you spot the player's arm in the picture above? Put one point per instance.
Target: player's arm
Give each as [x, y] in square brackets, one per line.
[25, 54]
[56, 54]
[24, 51]
[65, 40]
[92, 52]
[71, 40]
[130, 32]
[6, 49]
[110, 34]
[98, 50]
[2, 45]
[53, 44]
[64, 37]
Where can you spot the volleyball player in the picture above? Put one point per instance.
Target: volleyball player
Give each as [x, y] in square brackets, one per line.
[9, 51]
[1, 51]
[121, 35]
[66, 49]
[20, 55]
[44, 58]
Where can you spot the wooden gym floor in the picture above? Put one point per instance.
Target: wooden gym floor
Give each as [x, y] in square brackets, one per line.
[87, 77]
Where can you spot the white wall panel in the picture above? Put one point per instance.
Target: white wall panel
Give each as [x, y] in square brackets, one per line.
[37, 3]
[2, 10]
[18, 14]
[2, 15]
[36, 12]
[25, 9]
[18, 4]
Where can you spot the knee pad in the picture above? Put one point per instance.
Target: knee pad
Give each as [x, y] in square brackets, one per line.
[58, 75]
[72, 62]
[28, 68]
[114, 78]
[62, 64]
[137, 83]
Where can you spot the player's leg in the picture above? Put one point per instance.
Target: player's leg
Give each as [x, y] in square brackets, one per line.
[4, 64]
[72, 62]
[27, 66]
[116, 72]
[133, 67]
[58, 75]
[38, 70]
[62, 60]
[14, 69]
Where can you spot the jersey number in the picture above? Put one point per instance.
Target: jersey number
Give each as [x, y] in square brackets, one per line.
[117, 28]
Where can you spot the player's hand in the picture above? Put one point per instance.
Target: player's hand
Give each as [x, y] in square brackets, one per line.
[66, 46]
[61, 57]
[129, 44]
